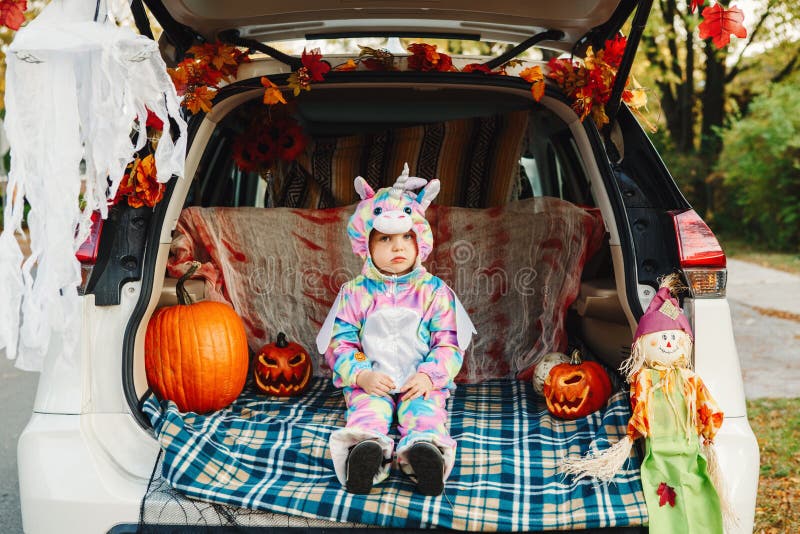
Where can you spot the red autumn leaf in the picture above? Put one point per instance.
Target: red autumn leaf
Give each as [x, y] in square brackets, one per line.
[613, 50]
[696, 4]
[720, 23]
[153, 121]
[12, 13]
[317, 68]
[666, 494]
[477, 67]
[424, 57]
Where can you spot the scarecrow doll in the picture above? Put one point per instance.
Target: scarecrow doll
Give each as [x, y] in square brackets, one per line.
[674, 412]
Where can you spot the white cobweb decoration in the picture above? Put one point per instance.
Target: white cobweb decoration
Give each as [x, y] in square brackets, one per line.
[74, 89]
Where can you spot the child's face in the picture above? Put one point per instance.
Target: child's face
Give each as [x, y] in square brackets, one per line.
[393, 253]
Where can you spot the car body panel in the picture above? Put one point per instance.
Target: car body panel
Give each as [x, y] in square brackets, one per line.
[70, 482]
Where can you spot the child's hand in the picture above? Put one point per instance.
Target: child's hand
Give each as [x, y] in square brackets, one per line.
[375, 383]
[418, 385]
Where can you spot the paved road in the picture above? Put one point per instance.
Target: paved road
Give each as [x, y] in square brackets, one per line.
[765, 305]
[17, 391]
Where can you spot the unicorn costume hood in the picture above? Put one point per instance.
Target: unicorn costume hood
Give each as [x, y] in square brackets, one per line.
[393, 210]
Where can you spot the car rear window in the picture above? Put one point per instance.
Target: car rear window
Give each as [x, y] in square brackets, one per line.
[486, 148]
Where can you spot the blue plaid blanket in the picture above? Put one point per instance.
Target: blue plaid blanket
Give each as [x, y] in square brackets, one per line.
[272, 454]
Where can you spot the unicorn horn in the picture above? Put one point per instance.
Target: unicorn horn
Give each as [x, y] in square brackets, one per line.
[400, 185]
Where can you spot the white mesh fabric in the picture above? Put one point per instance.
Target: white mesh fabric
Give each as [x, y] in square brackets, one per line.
[73, 90]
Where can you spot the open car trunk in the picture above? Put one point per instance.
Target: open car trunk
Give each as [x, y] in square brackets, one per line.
[519, 234]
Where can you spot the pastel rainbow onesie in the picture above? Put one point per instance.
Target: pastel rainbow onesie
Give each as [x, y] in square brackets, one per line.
[398, 325]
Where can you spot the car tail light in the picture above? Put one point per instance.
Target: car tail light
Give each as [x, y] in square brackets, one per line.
[701, 256]
[87, 252]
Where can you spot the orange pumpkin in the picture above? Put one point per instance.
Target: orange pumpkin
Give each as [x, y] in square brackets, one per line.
[576, 389]
[282, 369]
[196, 353]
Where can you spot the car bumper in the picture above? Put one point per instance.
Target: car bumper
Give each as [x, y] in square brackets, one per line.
[82, 473]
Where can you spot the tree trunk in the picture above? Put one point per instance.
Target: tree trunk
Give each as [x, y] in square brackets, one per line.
[713, 101]
[687, 100]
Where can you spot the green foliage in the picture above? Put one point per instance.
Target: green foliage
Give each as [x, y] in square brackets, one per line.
[690, 171]
[760, 166]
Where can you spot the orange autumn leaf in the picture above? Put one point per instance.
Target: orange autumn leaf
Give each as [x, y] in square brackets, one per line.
[345, 67]
[272, 94]
[221, 56]
[140, 186]
[180, 79]
[720, 23]
[536, 78]
[424, 57]
[199, 99]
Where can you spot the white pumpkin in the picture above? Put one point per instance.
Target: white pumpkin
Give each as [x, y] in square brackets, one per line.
[543, 368]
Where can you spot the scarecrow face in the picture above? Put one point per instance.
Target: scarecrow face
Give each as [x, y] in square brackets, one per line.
[668, 347]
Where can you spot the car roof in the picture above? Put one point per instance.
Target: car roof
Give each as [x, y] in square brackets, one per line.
[495, 20]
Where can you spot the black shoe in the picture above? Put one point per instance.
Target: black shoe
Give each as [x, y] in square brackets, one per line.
[363, 463]
[428, 464]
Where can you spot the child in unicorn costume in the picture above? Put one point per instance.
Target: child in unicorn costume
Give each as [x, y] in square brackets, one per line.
[394, 340]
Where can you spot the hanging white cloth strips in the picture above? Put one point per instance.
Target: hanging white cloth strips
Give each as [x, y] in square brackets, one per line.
[74, 88]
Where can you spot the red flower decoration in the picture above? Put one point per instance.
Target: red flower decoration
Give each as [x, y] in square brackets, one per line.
[721, 23]
[696, 4]
[243, 154]
[666, 494]
[266, 141]
[290, 142]
[12, 13]
[317, 68]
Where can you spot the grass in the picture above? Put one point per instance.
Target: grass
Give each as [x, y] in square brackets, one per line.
[740, 249]
[776, 424]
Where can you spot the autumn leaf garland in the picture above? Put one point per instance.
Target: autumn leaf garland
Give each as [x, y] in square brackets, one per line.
[588, 83]
[197, 77]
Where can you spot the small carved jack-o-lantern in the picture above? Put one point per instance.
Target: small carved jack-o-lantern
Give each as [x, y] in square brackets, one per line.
[576, 389]
[282, 369]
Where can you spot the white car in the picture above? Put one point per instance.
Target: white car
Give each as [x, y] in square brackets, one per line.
[88, 458]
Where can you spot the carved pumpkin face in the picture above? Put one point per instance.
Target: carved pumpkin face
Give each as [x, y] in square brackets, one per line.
[282, 369]
[576, 389]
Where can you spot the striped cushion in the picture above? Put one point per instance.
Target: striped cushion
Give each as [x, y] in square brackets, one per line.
[477, 161]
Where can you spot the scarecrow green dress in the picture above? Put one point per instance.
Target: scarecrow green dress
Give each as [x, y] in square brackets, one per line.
[671, 409]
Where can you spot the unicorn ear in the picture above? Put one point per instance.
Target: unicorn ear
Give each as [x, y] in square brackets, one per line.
[427, 195]
[415, 183]
[363, 189]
